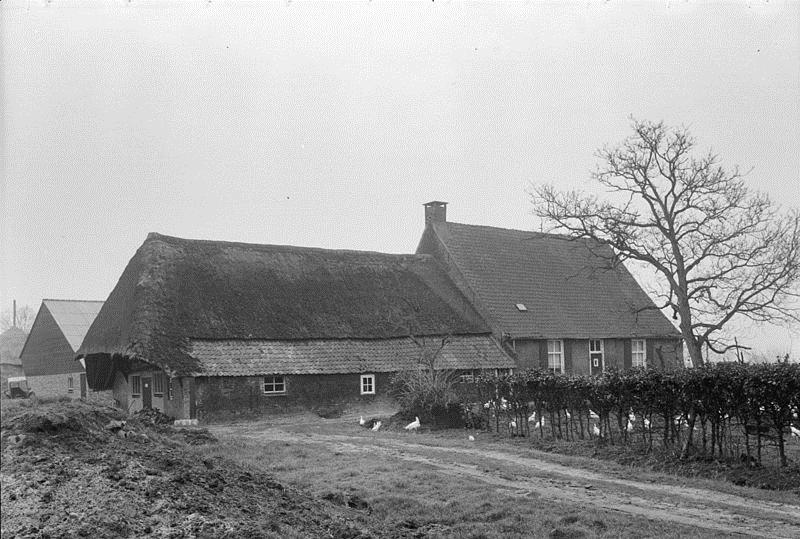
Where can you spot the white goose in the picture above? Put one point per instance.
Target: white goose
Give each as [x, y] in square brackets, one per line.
[414, 425]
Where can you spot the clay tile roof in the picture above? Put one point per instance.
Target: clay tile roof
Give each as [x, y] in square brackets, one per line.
[567, 290]
[175, 290]
[253, 358]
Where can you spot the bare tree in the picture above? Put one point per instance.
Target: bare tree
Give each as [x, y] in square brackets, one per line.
[722, 251]
[25, 316]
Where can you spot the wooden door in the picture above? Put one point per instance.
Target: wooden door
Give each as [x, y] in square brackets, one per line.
[147, 393]
[83, 385]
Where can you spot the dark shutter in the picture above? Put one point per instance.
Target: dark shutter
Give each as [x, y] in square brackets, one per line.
[543, 354]
[650, 350]
[626, 355]
[568, 356]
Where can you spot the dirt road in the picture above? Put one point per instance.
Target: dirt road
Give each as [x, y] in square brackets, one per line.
[529, 476]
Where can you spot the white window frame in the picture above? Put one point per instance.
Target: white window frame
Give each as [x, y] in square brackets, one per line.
[70, 384]
[601, 351]
[171, 388]
[639, 357]
[552, 354]
[367, 384]
[468, 376]
[136, 383]
[274, 383]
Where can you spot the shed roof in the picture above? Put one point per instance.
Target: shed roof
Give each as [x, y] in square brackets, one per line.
[566, 286]
[74, 317]
[175, 290]
[11, 342]
[253, 358]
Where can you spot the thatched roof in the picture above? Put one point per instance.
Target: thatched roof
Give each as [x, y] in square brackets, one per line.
[11, 342]
[177, 290]
[567, 287]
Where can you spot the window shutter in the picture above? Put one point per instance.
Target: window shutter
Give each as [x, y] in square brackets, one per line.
[543, 354]
[626, 355]
[567, 356]
[650, 350]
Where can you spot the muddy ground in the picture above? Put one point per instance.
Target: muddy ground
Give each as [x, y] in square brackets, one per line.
[71, 470]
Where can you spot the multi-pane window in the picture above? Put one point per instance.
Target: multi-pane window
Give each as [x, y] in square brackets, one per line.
[367, 384]
[171, 388]
[136, 386]
[274, 384]
[158, 385]
[70, 384]
[638, 353]
[555, 355]
[467, 377]
[596, 353]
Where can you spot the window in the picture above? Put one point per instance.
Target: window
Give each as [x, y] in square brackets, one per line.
[521, 307]
[467, 377]
[503, 372]
[638, 353]
[136, 386]
[70, 384]
[158, 385]
[555, 355]
[367, 384]
[274, 384]
[171, 388]
[596, 353]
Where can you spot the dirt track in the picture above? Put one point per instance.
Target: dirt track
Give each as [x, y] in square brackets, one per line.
[516, 475]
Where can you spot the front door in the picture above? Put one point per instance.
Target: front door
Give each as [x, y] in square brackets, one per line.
[596, 358]
[83, 385]
[147, 393]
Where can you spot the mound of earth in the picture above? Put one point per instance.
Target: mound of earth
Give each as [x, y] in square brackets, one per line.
[84, 470]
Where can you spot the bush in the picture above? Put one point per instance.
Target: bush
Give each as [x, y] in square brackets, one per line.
[430, 394]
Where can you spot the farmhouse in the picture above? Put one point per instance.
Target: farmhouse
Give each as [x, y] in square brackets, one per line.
[194, 327]
[557, 303]
[49, 351]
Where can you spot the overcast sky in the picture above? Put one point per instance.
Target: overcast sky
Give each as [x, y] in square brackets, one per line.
[329, 125]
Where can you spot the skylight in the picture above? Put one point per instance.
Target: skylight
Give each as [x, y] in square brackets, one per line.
[521, 307]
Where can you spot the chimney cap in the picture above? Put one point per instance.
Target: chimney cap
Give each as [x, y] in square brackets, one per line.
[435, 203]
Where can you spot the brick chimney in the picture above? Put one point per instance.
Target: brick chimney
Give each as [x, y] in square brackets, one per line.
[435, 212]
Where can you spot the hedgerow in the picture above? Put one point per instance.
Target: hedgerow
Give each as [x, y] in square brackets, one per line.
[706, 410]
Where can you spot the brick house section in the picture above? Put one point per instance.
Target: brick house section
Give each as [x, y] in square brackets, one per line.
[533, 287]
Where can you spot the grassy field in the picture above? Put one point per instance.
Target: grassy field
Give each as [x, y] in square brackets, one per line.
[440, 484]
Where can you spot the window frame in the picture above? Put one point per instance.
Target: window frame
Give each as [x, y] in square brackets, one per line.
[170, 388]
[274, 384]
[371, 383]
[601, 352]
[642, 352]
[70, 384]
[468, 376]
[158, 384]
[136, 383]
[560, 354]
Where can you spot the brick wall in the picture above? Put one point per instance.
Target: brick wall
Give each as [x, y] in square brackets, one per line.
[57, 385]
[661, 354]
[246, 393]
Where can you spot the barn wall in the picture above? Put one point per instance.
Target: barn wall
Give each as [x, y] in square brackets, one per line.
[246, 394]
[47, 351]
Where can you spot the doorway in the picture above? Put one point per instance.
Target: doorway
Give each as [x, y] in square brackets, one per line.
[147, 393]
